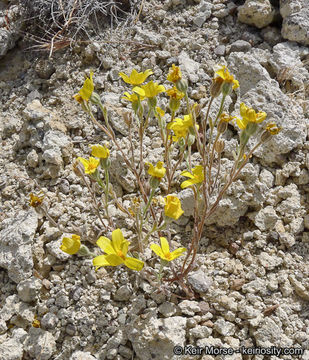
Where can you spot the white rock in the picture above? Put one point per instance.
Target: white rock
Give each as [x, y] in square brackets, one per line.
[188, 66]
[224, 328]
[266, 218]
[16, 244]
[259, 13]
[268, 333]
[247, 70]
[40, 344]
[11, 350]
[199, 281]
[167, 309]
[156, 338]
[81, 355]
[295, 26]
[188, 307]
[28, 289]
[285, 113]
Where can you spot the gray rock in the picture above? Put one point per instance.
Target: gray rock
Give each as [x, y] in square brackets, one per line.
[81, 355]
[287, 64]
[15, 245]
[8, 37]
[295, 26]
[285, 113]
[33, 159]
[123, 293]
[49, 321]
[40, 344]
[200, 332]
[224, 328]
[240, 46]
[220, 50]
[265, 219]
[44, 68]
[167, 309]
[188, 66]
[259, 13]
[268, 333]
[29, 289]
[299, 288]
[272, 35]
[188, 307]
[156, 338]
[11, 349]
[199, 281]
[203, 13]
[248, 71]
[269, 261]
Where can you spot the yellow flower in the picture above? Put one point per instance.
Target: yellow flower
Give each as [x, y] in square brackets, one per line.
[172, 207]
[224, 74]
[249, 115]
[100, 151]
[196, 177]
[181, 127]
[116, 250]
[174, 74]
[36, 200]
[86, 91]
[158, 171]
[135, 77]
[70, 245]
[273, 129]
[164, 250]
[89, 165]
[174, 93]
[149, 90]
[133, 98]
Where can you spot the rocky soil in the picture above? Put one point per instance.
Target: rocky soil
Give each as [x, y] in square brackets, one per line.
[251, 275]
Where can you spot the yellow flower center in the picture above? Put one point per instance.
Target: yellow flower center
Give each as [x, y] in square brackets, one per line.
[168, 255]
[120, 254]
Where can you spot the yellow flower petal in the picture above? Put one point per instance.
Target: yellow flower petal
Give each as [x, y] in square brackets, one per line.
[157, 250]
[172, 207]
[187, 174]
[87, 89]
[70, 245]
[134, 264]
[99, 261]
[164, 245]
[117, 240]
[114, 260]
[178, 252]
[135, 77]
[100, 151]
[106, 245]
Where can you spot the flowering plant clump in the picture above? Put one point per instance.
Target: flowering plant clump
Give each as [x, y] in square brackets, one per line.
[155, 207]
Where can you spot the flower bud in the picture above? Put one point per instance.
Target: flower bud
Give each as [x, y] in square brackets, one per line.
[105, 163]
[219, 146]
[227, 88]
[216, 87]
[174, 104]
[266, 135]
[191, 139]
[95, 98]
[182, 85]
[154, 182]
[222, 126]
